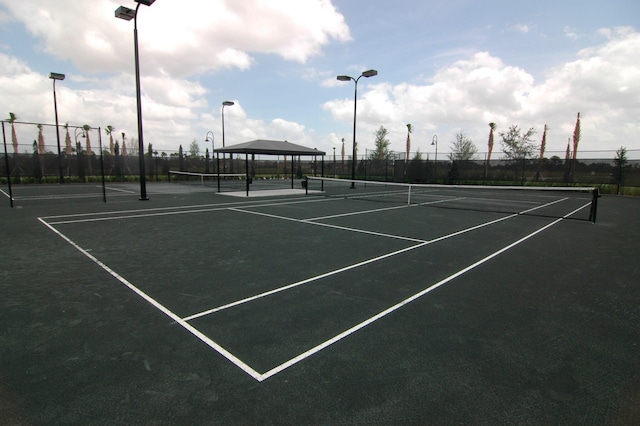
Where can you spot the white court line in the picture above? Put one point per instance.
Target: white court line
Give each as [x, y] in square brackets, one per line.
[299, 283]
[246, 368]
[6, 195]
[164, 211]
[209, 342]
[326, 225]
[403, 303]
[120, 190]
[344, 269]
[381, 209]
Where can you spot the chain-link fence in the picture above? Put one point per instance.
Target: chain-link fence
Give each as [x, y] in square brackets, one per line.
[32, 156]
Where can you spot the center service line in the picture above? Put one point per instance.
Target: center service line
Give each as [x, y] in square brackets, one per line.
[399, 305]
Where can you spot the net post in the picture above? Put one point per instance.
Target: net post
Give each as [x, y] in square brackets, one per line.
[595, 194]
[168, 176]
[104, 189]
[409, 196]
[246, 167]
[6, 162]
[306, 185]
[218, 168]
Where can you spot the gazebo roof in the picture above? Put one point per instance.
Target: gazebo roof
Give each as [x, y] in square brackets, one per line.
[268, 147]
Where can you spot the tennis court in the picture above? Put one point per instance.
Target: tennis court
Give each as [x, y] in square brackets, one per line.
[327, 305]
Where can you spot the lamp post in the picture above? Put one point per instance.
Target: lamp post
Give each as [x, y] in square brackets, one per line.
[206, 139]
[128, 14]
[75, 136]
[369, 73]
[224, 165]
[57, 76]
[334, 161]
[434, 141]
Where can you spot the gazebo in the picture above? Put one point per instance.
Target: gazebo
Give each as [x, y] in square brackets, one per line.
[268, 147]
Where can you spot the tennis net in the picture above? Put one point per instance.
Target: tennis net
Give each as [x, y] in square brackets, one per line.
[206, 179]
[566, 202]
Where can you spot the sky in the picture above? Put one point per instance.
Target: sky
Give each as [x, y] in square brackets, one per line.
[444, 66]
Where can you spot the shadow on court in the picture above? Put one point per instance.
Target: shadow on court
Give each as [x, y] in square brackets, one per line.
[200, 308]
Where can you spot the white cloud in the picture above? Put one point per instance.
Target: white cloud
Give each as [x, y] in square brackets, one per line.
[571, 33]
[603, 83]
[181, 38]
[521, 28]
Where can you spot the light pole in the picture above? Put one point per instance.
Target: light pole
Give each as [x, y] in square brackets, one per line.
[369, 73]
[57, 76]
[128, 14]
[224, 165]
[334, 161]
[434, 141]
[206, 139]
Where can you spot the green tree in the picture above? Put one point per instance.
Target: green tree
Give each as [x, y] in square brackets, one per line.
[516, 144]
[194, 149]
[620, 161]
[463, 148]
[382, 144]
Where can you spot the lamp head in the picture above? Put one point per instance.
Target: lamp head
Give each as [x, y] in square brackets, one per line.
[344, 78]
[125, 13]
[369, 73]
[56, 76]
[228, 103]
[145, 2]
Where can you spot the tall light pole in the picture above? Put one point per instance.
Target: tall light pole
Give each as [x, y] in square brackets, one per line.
[224, 104]
[369, 73]
[129, 14]
[434, 141]
[57, 76]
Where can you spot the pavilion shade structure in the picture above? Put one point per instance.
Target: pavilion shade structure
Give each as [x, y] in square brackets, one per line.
[269, 147]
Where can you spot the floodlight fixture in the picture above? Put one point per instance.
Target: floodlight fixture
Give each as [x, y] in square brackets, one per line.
[145, 2]
[228, 103]
[125, 13]
[56, 76]
[368, 73]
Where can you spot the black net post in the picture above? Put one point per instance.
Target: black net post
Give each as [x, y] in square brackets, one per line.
[104, 189]
[6, 162]
[595, 194]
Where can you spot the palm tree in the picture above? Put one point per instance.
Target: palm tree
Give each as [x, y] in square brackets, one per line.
[67, 140]
[409, 131]
[41, 148]
[490, 143]
[109, 130]
[40, 140]
[14, 137]
[490, 146]
[576, 137]
[576, 141]
[86, 128]
[68, 149]
[567, 162]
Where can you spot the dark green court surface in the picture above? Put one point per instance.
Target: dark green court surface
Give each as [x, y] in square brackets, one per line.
[195, 307]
